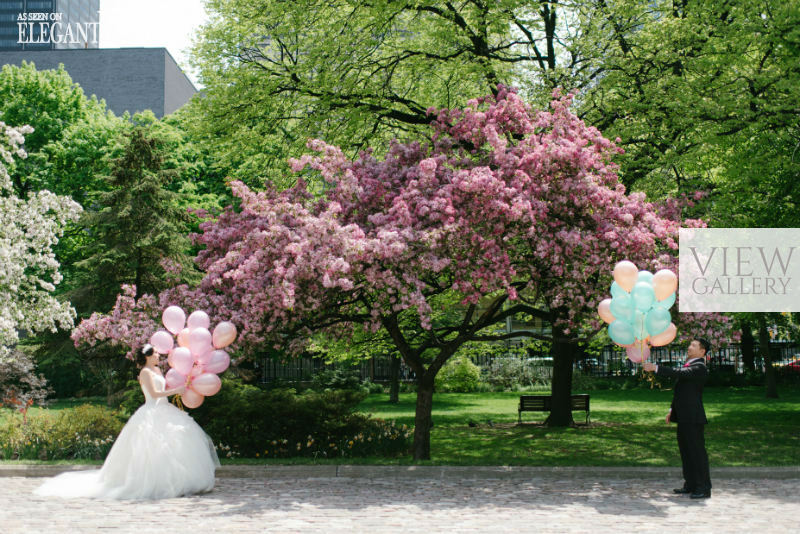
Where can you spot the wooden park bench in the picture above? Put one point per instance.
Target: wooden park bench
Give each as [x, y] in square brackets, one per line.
[543, 403]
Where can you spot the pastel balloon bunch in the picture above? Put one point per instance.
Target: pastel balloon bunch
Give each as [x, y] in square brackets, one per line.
[638, 311]
[199, 357]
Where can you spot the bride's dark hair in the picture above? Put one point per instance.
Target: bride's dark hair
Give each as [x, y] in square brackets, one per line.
[144, 352]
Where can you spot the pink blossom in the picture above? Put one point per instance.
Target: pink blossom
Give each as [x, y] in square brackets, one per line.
[503, 201]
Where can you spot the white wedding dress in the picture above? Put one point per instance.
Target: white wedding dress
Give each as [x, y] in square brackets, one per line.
[160, 453]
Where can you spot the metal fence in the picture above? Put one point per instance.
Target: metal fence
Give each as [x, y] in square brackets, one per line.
[610, 362]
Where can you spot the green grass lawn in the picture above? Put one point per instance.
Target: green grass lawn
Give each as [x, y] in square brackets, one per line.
[58, 404]
[627, 428]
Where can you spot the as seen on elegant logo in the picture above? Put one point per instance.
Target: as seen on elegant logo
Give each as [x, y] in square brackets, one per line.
[42, 28]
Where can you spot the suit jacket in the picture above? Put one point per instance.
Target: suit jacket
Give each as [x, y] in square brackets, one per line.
[687, 396]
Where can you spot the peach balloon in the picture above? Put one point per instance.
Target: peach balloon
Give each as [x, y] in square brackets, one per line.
[174, 379]
[206, 384]
[198, 319]
[191, 398]
[199, 340]
[181, 360]
[664, 337]
[203, 359]
[219, 362]
[664, 284]
[173, 318]
[638, 352]
[604, 309]
[183, 338]
[224, 334]
[162, 342]
[626, 274]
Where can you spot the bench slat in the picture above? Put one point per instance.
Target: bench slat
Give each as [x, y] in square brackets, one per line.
[543, 403]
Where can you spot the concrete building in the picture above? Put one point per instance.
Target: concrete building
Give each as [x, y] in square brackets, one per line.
[51, 32]
[129, 79]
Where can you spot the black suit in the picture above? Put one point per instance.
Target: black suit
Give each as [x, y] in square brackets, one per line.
[688, 412]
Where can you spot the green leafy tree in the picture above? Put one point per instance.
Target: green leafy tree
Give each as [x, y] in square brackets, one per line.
[704, 97]
[69, 149]
[64, 120]
[359, 73]
[137, 227]
[134, 233]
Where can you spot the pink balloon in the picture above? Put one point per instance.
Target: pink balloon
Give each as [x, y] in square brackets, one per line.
[206, 384]
[173, 318]
[664, 283]
[181, 360]
[198, 319]
[664, 337]
[197, 370]
[162, 341]
[191, 398]
[203, 359]
[174, 379]
[639, 352]
[219, 362]
[626, 274]
[199, 340]
[604, 309]
[224, 334]
[183, 338]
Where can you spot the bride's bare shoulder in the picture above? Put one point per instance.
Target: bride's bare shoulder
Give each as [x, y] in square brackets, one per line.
[145, 372]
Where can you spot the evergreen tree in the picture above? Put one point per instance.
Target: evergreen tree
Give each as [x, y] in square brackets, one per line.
[137, 228]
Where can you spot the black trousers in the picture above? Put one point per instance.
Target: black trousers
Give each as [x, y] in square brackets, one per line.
[692, 444]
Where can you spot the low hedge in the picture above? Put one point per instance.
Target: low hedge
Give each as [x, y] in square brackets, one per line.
[247, 421]
[83, 432]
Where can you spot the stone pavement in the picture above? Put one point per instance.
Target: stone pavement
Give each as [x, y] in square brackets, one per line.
[406, 500]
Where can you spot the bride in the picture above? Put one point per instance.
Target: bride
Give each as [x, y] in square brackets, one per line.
[160, 453]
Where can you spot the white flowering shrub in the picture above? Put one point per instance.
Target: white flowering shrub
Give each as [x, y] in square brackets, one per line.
[29, 228]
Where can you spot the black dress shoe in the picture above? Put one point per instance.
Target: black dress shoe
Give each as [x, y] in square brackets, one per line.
[700, 495]
[681, 491]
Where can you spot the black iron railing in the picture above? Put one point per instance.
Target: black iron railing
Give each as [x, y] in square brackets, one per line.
[610, 362]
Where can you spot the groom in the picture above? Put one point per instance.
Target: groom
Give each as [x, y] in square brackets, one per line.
[687, 410]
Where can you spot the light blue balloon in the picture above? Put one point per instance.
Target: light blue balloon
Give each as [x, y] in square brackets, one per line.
[657, 320]
[645, 276]
[666, 303]
[622, 307]
[639, 327]
[617, 291]
[621, 332]
[643, 296]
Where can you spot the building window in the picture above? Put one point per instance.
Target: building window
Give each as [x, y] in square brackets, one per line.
[40, 4]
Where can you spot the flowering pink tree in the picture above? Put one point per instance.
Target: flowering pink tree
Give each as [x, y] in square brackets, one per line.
[505, 212]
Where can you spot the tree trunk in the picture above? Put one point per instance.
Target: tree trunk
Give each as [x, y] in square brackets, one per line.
[110, 391]
[422, 419]
[563, 353]
[763, 348]
[394, 378]
[748, 347]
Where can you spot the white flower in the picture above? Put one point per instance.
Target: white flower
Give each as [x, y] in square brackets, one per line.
[29, 228]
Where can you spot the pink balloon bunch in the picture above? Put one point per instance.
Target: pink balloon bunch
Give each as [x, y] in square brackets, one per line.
[638, 311]
[199, 357]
